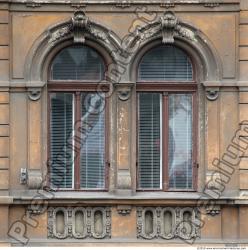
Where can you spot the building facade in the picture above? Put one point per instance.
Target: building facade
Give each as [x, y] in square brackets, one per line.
[123, 122]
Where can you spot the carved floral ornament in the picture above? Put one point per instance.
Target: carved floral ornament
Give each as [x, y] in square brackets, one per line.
[79, 222]
[171, 27]
[125, 3]
[168, 223]
[78, 27]
[168, 26]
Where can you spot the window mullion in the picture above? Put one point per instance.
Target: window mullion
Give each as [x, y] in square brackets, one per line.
[165, 141]
[194, 138]
[77, 140]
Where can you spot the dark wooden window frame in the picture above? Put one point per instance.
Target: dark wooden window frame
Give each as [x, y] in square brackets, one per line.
[165, 88]
[78, 87]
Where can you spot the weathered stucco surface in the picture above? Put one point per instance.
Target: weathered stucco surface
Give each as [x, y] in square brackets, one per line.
[23, 121]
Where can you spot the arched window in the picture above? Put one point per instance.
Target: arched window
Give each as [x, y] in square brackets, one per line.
[166, 94]
[77, 120]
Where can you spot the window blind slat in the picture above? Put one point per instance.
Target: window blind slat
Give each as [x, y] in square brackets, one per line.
[149, 140]
[61, 126]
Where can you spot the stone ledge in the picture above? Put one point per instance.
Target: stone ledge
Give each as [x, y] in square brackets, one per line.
[120, 1]
[132, 242]
[6, 200]
[147, 198]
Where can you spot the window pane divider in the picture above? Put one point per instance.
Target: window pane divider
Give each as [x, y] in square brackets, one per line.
[77, 140]
[165, 144]
[195, 137]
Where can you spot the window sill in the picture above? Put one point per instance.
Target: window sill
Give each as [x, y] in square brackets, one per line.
[105, 198]
[27, 195]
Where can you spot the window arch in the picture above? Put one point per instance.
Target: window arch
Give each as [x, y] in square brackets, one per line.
[77, 120]
[166, 97]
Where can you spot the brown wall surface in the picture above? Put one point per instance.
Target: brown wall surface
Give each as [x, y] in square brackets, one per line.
[220, 37]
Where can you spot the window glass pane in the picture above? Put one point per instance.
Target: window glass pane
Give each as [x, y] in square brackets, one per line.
[92, 172]
[61, 127]
[165, 63]
[149, 140]
[77, 63]
[180, 141]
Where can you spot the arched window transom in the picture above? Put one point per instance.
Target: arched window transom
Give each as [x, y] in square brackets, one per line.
[165, 63]
[77, 63]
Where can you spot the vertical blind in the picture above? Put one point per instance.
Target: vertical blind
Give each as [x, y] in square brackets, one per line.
[92, 172]
[149, 140]
[77, 63]
[165, 63]
[61, 127]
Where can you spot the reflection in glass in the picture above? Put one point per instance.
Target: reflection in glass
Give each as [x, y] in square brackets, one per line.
[165, 63]
[180, 141]
[92, 172]
[77, 63]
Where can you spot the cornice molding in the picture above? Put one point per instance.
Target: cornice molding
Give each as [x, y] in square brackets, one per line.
[123, 2]
[33, 4]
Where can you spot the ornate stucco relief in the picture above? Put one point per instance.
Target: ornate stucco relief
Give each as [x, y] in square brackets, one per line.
[79, 222]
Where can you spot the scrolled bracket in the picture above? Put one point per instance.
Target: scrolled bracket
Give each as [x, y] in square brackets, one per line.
[169, 23]
[33, 4]
[123, 4]
[23, 176]
[31, 177]
[213, 210]
[78, 5]
[167, 4]
[124, 90]
[34, 180]
[211, 3]
[80, 23]
[212, 93]
[34, 94]
[171, 26]
[124, 209]
[35, 209]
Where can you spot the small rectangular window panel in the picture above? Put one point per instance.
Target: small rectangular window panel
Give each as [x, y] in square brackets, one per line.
[61, 128]
[149, 140]
[180, 141]
[173, 163]
[92, 172]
